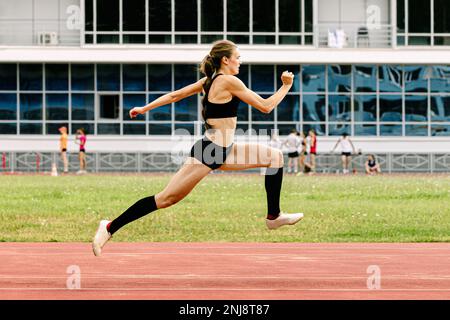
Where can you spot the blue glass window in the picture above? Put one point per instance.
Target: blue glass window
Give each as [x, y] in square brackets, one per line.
[186, 15]
[88, 127]
[185, 74]
[160, 129]
[82, 77]
[390, 130]
[390, 78]
[440, 79]
[108, 128]
[212, 15]
[243, 111]
[314, 107]
[57, 106]
[416, 108]
[416, 130]
[184, 128]
[83, 106]
[186, 109]
[159, 77]
[289, 108]
[365, 108]
[134, 100]
[108, 15]
[161, 113]
[262, 78]
[31, 128]
[440, 130]
[56, 77]
[290, 11]
[264, 16]
[8, 128]
[52, 128]
[440, 108]
[260, 116]
[30, 77]
[313, 78]
[390, 108]
[243, 74]
[108, 77]
[291, 68]
[338, 129]
[339, 108]
[8, 106]
[339, 78]
[365, 78]
[133, 77]
[159, 15]
[8, 76]
[238, 15]
[365, 130]
[134, 129]
[416, 78]
[31, 106]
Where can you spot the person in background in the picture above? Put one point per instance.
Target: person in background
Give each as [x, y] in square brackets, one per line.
[312, 143]
[63, 147]
[347, 148]
[372, 167]
[275, 141]
[302, 151]
[292, 142]
[80, 139]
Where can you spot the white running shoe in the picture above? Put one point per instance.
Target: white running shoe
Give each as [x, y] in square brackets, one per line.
[283, 219]
[101, 237]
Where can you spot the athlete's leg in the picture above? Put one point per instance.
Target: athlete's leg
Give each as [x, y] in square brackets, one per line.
[246, 156]
[65, 162]
[344, 164]
[178, 187]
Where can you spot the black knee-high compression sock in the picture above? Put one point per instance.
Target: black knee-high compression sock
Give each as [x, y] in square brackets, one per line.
[136, 211]
[272, 183]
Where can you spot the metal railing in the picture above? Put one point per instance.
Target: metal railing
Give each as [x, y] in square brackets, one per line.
[28, 32]
[352, 35]
[138, 162]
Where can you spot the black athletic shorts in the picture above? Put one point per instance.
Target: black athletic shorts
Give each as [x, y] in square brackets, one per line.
[64, 150]
[83, 150]
[293, 154]
[209, 153]
[347, 154]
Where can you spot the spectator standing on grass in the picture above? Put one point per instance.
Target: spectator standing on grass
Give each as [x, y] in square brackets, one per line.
[63, 148]
[80, 139]
[292, 142]
[312, 144]
[347, 148]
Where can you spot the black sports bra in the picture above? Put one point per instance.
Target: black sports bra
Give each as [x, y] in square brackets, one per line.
[220, 110]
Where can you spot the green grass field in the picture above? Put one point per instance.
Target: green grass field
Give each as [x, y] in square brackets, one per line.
[229, 208]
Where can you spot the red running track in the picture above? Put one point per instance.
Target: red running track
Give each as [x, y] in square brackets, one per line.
[224, 271]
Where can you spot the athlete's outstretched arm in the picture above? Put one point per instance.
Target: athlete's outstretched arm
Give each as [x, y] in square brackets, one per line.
[238, 89]
[170, 97]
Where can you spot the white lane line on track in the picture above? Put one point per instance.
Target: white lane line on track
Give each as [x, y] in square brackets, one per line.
[226, 289]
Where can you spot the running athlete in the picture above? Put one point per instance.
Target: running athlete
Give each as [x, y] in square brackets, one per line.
[292, 142]
[63, 148]
[80, 139]
[347, 148]
[222, 94]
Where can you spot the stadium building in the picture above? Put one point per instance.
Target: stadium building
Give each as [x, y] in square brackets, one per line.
[378, 70]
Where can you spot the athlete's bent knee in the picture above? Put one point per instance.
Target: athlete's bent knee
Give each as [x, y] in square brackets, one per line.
[165, 201]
